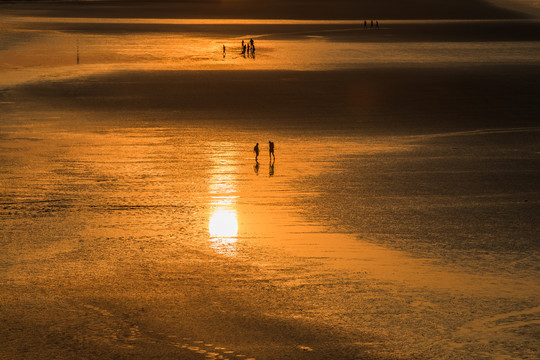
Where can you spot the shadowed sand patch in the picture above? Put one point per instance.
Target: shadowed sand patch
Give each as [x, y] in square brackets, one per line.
[374, 100]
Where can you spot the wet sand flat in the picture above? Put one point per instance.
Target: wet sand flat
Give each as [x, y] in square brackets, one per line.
[116, 260]
[107, 213]
[332, 30]
[397, 221]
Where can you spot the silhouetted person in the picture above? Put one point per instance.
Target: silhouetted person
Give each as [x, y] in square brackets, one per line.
[365, 24]
[371, 23]
[253, 51]
[271, 149]
[256, 151]
[251, 42]
[224, 51]
[377, 25]
[271, 167]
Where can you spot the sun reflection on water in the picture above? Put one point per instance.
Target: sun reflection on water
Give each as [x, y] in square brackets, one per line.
[223, 224]
[223, 229]
[223, 219]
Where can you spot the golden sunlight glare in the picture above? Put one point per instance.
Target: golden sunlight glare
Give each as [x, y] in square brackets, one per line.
[223, 223]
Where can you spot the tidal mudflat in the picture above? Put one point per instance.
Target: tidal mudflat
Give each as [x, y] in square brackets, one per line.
[398, 219]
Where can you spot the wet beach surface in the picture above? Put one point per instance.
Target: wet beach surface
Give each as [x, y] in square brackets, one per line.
[397, 221]
[107, 251]
[337, 30]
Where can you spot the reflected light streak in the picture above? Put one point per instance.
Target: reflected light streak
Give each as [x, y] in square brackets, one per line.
[223, 221]
[223, 229]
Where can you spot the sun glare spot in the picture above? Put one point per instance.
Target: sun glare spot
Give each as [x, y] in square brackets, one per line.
[223, 223]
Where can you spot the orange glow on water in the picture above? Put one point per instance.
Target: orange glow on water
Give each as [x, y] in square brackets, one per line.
[133, 208]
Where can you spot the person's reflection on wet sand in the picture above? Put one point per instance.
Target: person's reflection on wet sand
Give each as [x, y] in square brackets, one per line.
[256, 168]
[256, 151]
[271, 168]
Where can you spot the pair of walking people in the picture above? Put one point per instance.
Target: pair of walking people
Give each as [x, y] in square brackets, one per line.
[270, 150]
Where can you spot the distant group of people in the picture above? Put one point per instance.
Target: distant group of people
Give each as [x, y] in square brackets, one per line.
[248, 48]
[270, 153]
[371, 24]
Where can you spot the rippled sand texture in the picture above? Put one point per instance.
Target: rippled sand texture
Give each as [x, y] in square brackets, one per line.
[398, 220]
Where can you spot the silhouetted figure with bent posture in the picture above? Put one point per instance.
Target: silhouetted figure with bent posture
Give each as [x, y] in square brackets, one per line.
[256, 151]
[271, 150]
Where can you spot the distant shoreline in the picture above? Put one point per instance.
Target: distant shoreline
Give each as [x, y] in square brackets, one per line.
[276, 29]
[266, 9]
[519, 6]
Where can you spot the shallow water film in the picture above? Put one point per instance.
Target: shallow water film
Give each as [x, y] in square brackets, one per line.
[396, 219]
